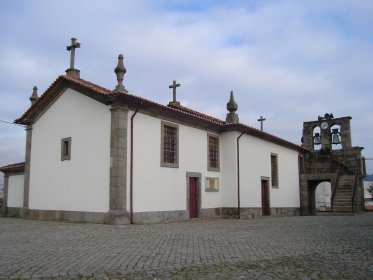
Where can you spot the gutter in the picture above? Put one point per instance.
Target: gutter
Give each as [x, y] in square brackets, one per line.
[238, 177]
[131, 164]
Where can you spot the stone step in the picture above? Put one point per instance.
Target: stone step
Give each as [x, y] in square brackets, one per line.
[342, 203]
[348, 187]
[342, 209]
[342, 197]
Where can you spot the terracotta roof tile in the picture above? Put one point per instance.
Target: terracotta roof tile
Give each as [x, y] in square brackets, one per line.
[195, 113]
[88, 85]
[172, 107]
[15, 167]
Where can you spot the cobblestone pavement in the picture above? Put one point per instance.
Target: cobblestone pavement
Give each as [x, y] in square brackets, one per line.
[317, 247]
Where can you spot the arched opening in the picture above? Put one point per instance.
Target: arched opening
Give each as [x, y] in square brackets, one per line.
[316, 138]
[323, 194]
[335, 137]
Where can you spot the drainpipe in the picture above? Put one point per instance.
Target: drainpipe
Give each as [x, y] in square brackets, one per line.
[131, 164]
[299, 180]
[238, 177]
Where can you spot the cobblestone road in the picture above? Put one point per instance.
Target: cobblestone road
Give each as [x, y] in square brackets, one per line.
[317, 247]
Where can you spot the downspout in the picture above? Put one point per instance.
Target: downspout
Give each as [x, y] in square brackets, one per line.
[131, 164]
[238, 177]
[300, 170]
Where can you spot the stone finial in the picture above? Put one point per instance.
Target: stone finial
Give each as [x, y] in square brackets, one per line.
[232, 107]
[72, 71]
[120, 70]
[34, 97]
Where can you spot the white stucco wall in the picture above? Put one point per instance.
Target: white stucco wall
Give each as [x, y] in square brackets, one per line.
[159, 188]
[15, 190]
[366, 193]
[229, 168]
[255, 163]
[79, 184]
[165, 189]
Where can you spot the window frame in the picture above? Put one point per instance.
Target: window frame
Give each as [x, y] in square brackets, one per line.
[274, 171]
[66, 148]
[209, 166]
[163, 162]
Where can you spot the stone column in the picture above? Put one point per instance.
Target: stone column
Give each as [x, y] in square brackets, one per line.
[118, 168]
[3, 210]
[304, 199]
[346, 133]
[26, 192]
[308, 135]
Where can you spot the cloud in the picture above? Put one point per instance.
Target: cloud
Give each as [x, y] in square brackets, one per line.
[289, 61]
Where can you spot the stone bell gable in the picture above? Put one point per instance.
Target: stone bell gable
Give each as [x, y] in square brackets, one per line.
[330, 157]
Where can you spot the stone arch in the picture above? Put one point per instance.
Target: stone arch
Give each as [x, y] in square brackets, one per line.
[308, 191]
[316, 140]
[335, 136]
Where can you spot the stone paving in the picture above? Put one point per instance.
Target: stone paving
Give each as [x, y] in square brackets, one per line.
[315, 247]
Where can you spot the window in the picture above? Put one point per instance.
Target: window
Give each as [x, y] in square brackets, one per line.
[66, 149]
[274, 171]
[170, 143]
[213, 162]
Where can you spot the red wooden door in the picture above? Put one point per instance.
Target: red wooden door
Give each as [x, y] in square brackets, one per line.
[265, 198]
[193, 198]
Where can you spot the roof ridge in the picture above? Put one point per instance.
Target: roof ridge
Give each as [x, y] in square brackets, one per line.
[194, 112]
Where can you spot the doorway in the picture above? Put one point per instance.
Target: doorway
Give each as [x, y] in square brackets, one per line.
[193, 197]
[265, 198]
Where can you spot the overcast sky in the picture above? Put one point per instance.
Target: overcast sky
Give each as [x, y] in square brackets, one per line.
[289, 61]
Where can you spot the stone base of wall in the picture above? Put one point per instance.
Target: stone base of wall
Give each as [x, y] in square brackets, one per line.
[250, 212]
[65, 216]
[11, 211]
[285, 211]
[245, 213]
[160, 216]
[120, 218]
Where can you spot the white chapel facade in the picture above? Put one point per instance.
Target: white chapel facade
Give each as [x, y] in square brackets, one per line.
[107, 156]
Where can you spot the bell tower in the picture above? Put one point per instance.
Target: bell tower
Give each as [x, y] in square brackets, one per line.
[330, 157]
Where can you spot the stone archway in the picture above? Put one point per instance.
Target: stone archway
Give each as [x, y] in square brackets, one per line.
[308, 191]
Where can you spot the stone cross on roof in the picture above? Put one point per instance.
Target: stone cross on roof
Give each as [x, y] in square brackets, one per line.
[261, 120]
[174, 86]
[72, 71]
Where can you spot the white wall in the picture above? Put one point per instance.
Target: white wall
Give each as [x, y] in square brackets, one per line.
[229, 168]
[366, 193]
[161, 188]
[165, 189]
[79, 184]
[15, 190]
[255, 163]
[323, 194]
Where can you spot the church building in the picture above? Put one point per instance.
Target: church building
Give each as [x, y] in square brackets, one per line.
[108, 156]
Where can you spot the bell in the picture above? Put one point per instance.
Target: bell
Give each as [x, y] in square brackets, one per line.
[335, 136]
[317, 139]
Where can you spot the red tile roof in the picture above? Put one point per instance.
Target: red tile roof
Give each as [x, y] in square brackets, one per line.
[175, 109]
[191, 112]
[80, 82]
[12, 168]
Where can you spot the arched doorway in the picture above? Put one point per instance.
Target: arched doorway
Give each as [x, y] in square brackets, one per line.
[319, 194]
[323, 194]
